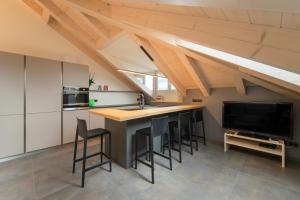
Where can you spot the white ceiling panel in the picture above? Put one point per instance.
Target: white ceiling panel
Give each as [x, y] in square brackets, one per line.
[128, 54]
[291, 20]
[265, 17]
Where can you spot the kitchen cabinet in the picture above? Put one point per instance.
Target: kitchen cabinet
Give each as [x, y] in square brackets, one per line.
[43, 130]
[11, 104]
[75, 75]
[11, 84]
[96, 121]
[43, 85]
[43, 103]
[12, 135]
[70, 123]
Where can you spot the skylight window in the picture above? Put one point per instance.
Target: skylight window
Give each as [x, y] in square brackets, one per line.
[269, 70]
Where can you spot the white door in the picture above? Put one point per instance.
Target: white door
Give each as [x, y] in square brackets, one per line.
[12, 135]
[43, 130]
[43, 85]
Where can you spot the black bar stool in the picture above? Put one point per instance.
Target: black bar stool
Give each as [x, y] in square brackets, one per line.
[183, 125]
[159, 128]
[197, 118]
[86, 135]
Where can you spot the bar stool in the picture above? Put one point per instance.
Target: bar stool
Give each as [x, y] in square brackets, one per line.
[82, 131]
[183, 125]
[197, 118]
[159, 128]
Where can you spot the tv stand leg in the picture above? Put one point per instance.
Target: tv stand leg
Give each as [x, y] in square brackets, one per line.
[283, 158]
[226, 147]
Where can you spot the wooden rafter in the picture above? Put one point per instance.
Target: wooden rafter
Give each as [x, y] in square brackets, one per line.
[160, 63]
[140, 85]
[81, 45]
[240, 86]
[82, 21]
[106, 29]
[168, 38]
[46, 16]
[195, 73]
[270, 86]
[66, 21]
[92, 7]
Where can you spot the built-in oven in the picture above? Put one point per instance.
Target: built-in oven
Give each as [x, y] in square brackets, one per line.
[75, 98]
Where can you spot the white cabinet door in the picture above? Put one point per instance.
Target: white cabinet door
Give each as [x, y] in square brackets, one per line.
[75, 75]
[11, 84]
[12, 135]
[70, 123]
[43, 85]
[96, 121]
[43, 130]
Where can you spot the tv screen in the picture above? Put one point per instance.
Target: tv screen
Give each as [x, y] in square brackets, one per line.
[271, 119]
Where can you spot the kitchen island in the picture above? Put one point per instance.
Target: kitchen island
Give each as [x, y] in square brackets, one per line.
[123, 123]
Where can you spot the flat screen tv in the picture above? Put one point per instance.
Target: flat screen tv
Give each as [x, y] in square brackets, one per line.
[269, 119]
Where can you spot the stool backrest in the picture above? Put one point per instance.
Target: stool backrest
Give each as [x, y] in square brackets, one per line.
[184, 119]
[184, 123]
[198, 115]
[159, 126]
[81, 128]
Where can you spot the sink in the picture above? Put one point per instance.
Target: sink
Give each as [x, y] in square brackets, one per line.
[136, 108]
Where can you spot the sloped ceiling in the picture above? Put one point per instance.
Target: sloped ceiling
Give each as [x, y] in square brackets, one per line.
[128, 55]
[265, 31]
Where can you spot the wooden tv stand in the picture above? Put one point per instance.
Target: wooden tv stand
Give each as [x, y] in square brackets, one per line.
[233, 138]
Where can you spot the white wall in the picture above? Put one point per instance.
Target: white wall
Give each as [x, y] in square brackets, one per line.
[23, 32]
[213, 110]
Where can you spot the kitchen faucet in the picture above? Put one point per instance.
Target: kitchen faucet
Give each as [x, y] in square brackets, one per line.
[141, 100]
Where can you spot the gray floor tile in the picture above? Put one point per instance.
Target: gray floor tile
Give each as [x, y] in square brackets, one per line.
[208, 174]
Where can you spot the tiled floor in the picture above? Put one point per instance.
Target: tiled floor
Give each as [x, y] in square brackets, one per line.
[209, 174]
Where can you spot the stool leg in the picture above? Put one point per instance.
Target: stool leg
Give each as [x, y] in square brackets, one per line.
[136, 150]
[203, 130]
[110, 167]
[101, 149]
[194, 129]
[179, 143]
[161, 145]
[83, 162]
[170, 155]
[75, 150]
[191, 139]
[149, 153]
[152, 159]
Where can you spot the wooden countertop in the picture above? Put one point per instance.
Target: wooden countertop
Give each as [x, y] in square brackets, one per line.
[124, 115]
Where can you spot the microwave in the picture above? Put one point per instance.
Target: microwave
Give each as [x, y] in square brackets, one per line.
[75, 98]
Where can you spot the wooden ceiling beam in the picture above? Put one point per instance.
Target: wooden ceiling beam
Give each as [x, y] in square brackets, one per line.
[108, 30]
[66, 21]
[91, 53]
[160, 63]
[195, 73]
[46, 16]
[82, 21]
[270, 86]
[171, 39]
[140, 85]
[240, 86]
[86, 49]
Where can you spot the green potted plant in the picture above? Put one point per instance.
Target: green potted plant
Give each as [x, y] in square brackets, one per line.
[91, 80]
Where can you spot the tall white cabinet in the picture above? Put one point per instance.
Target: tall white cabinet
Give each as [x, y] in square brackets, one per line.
[43, 103]
[11, 104]
[75, 75]
[78, 76]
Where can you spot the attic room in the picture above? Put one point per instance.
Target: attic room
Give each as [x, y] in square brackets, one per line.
[149, 99]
